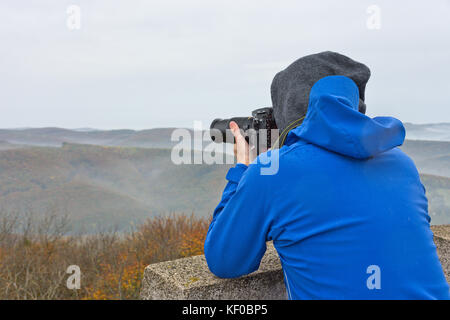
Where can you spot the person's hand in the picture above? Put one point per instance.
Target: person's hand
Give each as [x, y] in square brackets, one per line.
[244, 154]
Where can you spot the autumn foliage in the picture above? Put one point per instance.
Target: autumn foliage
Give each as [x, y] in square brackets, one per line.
[33, 262]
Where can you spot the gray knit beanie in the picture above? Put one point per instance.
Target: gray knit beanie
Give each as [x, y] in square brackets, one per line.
[290, 87]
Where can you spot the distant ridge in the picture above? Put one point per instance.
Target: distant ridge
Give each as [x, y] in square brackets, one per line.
[158, 137]
[432, 131]
[103, 187]
[118, 177]
[99, 186]
[85, 129]
[55, 137]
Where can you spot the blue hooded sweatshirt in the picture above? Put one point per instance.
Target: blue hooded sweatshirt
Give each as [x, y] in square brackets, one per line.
[346, 210]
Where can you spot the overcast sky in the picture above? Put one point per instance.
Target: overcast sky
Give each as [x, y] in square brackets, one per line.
[144, 64]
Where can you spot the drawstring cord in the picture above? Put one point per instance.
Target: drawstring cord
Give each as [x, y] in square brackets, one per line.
[285, 132]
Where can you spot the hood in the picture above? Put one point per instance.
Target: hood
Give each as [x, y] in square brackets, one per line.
[333, 122]
[291, 87]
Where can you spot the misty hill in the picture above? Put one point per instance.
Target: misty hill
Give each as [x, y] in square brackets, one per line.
[433, 131]
[5, 145]
[117, 177]
[438, 194]
[105, 186]
[432, 157]
[158, 138]
[55, 137]
[99, 187]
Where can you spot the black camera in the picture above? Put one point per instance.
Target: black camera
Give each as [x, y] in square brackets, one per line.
[261, 119]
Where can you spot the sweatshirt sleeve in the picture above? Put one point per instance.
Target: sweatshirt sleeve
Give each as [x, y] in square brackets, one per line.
[236, 239]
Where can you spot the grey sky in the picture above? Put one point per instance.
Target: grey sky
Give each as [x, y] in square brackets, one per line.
[143, 64]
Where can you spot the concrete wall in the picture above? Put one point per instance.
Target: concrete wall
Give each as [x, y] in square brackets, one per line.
[190, 278]
[442, 241]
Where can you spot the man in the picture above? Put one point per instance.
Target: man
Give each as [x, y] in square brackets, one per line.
[346, 210]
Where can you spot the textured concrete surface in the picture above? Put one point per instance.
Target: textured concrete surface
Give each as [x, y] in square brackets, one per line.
[442, 241]
[190, 278]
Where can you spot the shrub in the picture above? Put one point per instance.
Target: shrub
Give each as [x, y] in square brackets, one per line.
[34, 256]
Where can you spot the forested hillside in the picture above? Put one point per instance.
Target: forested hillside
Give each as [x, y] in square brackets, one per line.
[102, 187]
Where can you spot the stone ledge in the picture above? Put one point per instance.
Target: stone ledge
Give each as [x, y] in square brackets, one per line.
[190, 278]
[442, 241]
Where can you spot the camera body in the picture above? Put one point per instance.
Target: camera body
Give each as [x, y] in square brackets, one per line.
[256, 127]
